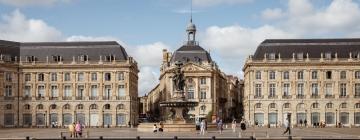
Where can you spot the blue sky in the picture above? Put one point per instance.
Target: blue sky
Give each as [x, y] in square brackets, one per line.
[230, 29]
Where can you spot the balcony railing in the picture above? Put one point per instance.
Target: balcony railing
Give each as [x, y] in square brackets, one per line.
[329, 96]
[286, 96]
[343, 96]
[106, 98]
[272, 96]
[9, 98]
[53, 98]
[258, 96]
[67, 98]
[79, 98]
[93, 98]
[120, 97]
[300, 96]
[40, 98]
[315, 96]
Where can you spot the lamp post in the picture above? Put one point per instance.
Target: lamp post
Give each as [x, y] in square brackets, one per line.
[75, 116]
[89, 117]
[116, 116]
[45, 118]
[305, 121]
[103, 119]
[276, 124]
[336, 124]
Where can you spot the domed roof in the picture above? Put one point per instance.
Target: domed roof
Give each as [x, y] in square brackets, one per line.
[191, 53]
[191, 27]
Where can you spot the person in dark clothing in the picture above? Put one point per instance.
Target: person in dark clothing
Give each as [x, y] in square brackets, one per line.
[305, 123]
[287, 125]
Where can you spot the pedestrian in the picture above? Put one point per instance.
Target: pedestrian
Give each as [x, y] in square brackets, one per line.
[243, 125]
[202, 127]
[301, 122]
[305, 123]
[287, 126]
[72, 130]
[161, 128]
[78, 129]
[233, 125]
[154, 128]
[220, 126]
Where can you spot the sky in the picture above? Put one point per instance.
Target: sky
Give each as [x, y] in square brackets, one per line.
[230, 30]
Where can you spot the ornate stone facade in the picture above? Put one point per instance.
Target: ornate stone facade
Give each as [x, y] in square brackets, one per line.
[317, 80]
[98, 88]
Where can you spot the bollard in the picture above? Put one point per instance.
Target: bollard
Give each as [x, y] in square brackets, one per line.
[64, 138]
[267, 134]
[175, 138]
[27, 138]
[61, 135]
[87, 134]
[240, 134]
[138, 137]
[101, 138]
[290, 138]
[251, 137]
[213, 138]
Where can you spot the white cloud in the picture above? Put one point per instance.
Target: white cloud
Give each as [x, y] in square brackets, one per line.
[272, 14]
[207, 3]
[15, 26]
[149, 54]
[148, 79]
[22, 3]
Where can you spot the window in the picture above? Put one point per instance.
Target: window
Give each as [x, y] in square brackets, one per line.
[314, 75]
[56, 58]
[286, 75]
[94, 90]
[329, 117]
[272, 56]
[121, 91]
[80, 106]
[357, 118]
[93, 76]
[315, 105]
[107, 91]
[109, 58]
[257, 90]
[300, 56]
[121, 106]
[67, 77]
[286, 89]
[203, 94]
[314, 89]
[357, 75]
[328, 75]
[107, 76]
[27, 91]
[343, 75]
[202, 81]
[41, 91]
[357, 90]
[67, 91]
[203, 108]
[53, 106]
[8, 76]
[41, 77]
[190, 92]
[83, 58]
[8, 106]
[328, 55]
[81, 76]
[328, 89]
[54, 91]
[27, 77]
[8, 91]
[27, 107]
[258, 105]
[40, 107]
[300, 89]
[272, 105]
[257, 75]
[272, 90]
[272, 75]
[343, 89]
[344, 117]
[67, 106]
[357, 105]
[120, 76]
[329, 105]
[300, 75]
[80, 93]
[53, 77]
[287, 105]
[107, 106]
[93, 106]
[343, 105]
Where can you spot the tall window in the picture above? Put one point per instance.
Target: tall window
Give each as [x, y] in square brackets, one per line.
[258, 90]
[328, 89]
[328, 75]
[8, 90]
[357, 75]
[286, 75]
[80, 91]
[257, 75]
[272, 90]
[314, 75]
[315, 105]
[328, 55]
[343, 75]
[94, 90]
[343, 89]
[272, 75]
[93, 76]
[272, 56]
[81, 76]
[107, 76]
[107, 91]
[41, 91]
[300, 75]
[329, 105]
[286, 89]
[314, 89]
[203, 81]
[300, 56]
[258, 105]
[190, 92]
[203, 94]
[67, 91]
[121, 76]
[357, 105]
[41, 77]
[300, 89]
[67, 77]
[53, 77]
[357, 90]
[8, 76]
[121, 91]
[27, 91]
[27, 77]
[54, 92]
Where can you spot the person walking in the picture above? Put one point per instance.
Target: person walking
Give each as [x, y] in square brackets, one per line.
[305, 123]
[202, 127]
[155, 128]
[220, 126]
[233, 125]
[243, 125]
[72, 130]
[287, 125]
[78, 129]
[301, 123]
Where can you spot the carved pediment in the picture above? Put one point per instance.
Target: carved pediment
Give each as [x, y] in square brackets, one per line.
[193, 67]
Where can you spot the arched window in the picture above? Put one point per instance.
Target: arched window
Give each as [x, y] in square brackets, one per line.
[343, 105]
[53, 106]
[287, 105]
[121, 106]
[107, 106]
[80, 106]
[301, 106]
[27, 107]
[329, 105]
[315, 105]
[93, 106]
[40, 106]
[8, 106]
[272, 105]
[67, 106]
[357, 105]
[258, 105]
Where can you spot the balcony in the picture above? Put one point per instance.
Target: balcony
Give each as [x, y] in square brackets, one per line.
[40, 98]
[258, 96]
[120, 97]
[26, 98]
[315, 96]
[9, 98]
[300, 96]
[272, 96]
[53, 98]
[66, 98]
[106, 98]
[329, 96]
[93, 98]
[286, 96]
[343, 96]
[79, 98]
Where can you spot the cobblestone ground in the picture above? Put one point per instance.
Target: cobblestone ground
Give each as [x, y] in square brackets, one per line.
[129, 132]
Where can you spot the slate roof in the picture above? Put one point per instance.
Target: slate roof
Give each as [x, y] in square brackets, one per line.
[313, 47]
[66, 50]
[191, 52]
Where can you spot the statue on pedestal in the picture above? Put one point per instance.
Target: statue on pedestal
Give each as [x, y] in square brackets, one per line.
[178, 79]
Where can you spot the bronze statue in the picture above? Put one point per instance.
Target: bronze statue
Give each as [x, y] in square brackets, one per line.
[178, 79]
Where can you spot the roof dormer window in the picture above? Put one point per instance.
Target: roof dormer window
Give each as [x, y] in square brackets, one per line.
[31, 59]
[300, 56]
[110, 58]
[83, 58]
[56, 58]
[272, 56]
[328, 55]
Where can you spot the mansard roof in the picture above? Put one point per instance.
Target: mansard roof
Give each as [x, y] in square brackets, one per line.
[313, 47]
[191, 52]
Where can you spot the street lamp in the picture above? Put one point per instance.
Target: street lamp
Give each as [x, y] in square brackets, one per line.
[103, 123]
[336, 124]
[276, 124]
[75, 116]
[45, 118]
[116, 116]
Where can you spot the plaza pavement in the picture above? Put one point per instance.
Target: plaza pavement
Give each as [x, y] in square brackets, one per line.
[274, 133]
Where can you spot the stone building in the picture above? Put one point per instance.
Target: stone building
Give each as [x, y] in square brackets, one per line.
[48, 83]
[205, 83]
[317, 80]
